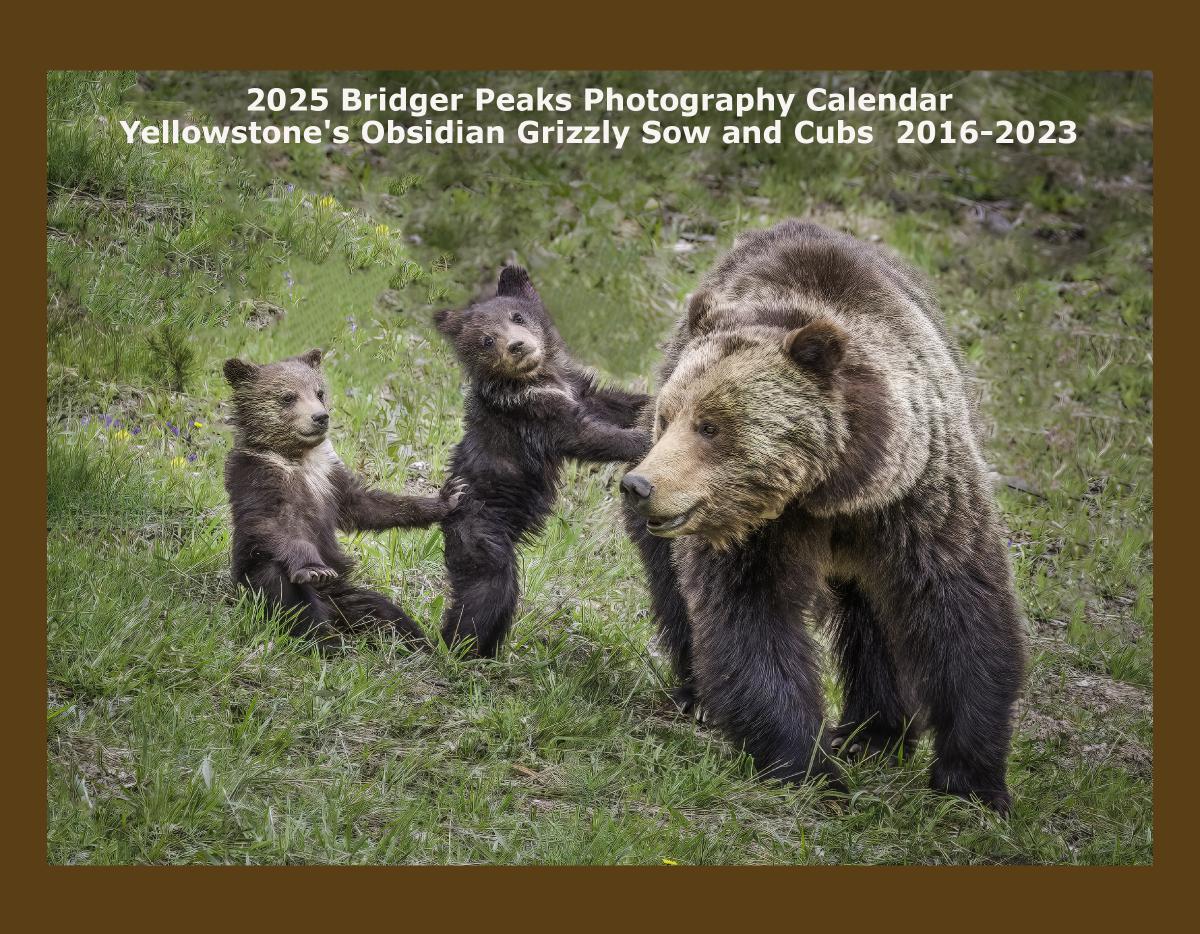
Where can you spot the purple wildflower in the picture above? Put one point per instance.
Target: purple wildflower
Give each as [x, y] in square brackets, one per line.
[86, 420]
[174, 429]
[289, 188]
[135, 430]
[191, 458]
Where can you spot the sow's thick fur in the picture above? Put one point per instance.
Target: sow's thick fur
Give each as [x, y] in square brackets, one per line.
[290, 493]
[816, 459]
[528, 409]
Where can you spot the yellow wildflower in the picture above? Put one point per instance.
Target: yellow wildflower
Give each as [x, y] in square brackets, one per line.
[382, 229]
[328, 202]
[121, 435]
[179, 462]
[669, 862]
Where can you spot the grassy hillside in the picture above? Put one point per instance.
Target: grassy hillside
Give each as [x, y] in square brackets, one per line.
[185, 727]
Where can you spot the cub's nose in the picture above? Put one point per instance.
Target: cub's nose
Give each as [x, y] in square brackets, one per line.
[517, 348]
[322, 419]
[637, 488]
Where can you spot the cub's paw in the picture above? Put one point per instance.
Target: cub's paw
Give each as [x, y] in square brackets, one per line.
[313, 574]
[453, 493]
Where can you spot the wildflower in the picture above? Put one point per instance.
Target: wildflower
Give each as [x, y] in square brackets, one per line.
[197, 424]
[669, 862]
[178, 462]
[353, 324]
[174, 429]
[121, 435]
[328, 202]
[86, 420]
[289, 188]
[191, 458]
[135, 430]
[383, 230]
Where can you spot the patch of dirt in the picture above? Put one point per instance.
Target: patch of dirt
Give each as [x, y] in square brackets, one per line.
[261, 315]
[102, 770]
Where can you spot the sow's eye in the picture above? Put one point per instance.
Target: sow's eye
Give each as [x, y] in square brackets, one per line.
[518, 318]
[663, 422]
[487, 340]
[288, 398]
[320, 395]
[708, 429]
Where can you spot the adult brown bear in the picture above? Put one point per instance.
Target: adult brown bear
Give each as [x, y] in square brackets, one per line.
[816, 459]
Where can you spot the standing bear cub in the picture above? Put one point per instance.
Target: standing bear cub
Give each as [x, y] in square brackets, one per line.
[290, 494]
[529, 408]
[815, 458]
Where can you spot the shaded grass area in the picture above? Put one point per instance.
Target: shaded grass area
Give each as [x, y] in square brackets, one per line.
[183, 726]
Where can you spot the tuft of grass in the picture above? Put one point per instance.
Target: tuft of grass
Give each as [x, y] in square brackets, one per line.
[184, 726]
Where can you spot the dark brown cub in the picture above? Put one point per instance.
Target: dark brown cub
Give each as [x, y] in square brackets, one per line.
[528, 409]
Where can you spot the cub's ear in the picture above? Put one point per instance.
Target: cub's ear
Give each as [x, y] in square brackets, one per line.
[448, 321]
[700, 307]
[514, 283]
[818, 346]
[313, 357]
[239, 371]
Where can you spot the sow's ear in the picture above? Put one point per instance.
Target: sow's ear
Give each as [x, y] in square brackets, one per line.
[313, 357]
[818, 347]
[514, 283]
[448, 322]
[239, 371]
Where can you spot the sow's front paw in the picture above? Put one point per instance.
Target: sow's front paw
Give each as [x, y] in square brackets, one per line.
[313, 574]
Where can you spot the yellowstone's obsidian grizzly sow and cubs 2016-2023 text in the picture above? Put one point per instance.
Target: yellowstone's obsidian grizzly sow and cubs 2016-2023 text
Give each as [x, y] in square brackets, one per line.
[290, 493]
[529, 407]
[815, 457]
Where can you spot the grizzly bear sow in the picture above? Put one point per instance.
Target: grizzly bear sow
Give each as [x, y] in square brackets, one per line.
[290, 493]
[529, 408]
[815, 458]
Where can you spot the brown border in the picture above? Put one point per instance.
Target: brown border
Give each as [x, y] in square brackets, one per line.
[1039, 36]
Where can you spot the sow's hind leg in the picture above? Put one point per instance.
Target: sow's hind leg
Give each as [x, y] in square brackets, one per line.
[879, 716]
[481, 565]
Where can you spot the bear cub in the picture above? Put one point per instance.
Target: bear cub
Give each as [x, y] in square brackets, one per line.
[290, 494]
[528, 409]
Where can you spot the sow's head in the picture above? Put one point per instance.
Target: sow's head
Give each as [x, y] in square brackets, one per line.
[509, 337]
[747, 422]
[281, 407]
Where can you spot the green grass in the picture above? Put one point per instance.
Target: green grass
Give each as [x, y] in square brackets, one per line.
[184, 726]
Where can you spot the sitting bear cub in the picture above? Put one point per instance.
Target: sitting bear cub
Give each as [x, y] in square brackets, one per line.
[816, 459]
[290, 493]
[529, 407]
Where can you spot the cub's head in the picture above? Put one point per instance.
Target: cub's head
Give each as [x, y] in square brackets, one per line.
[749, 421]
[280, 407]
[509, 338]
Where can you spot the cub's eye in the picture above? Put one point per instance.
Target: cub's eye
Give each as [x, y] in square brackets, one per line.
[708, 429]
[487, 340]
[288, 398]
[518, 318]
[320, 395]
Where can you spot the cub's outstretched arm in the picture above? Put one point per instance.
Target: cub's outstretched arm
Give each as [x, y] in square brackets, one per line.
[614, 405]
[590, 439]
[364, 509]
